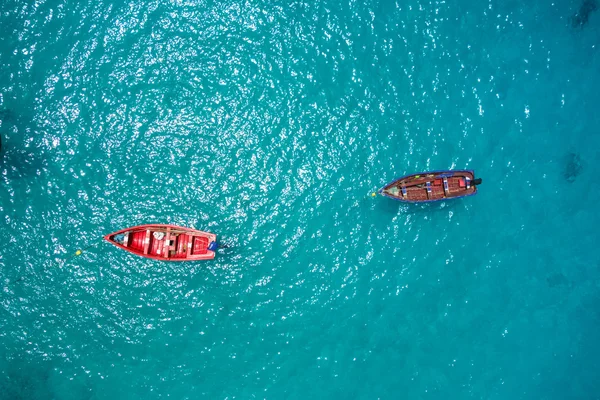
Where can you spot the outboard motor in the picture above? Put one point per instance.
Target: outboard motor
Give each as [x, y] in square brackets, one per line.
[476, 181]
[213, 246]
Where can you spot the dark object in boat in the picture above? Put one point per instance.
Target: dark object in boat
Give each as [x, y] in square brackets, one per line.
[585, 11]
[432, 186]
[165, 242]
[573, 167]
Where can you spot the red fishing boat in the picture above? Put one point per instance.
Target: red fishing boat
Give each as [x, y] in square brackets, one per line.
[165, 242]
[432, 186]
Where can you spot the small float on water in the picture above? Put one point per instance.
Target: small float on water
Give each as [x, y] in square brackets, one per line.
[432, 186]
[166, 242]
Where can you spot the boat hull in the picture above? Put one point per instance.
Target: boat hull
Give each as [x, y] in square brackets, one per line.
[164, 242]
[432, 186]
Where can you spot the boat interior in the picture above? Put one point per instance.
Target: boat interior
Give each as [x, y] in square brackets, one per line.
[167, 243]
[432, 187]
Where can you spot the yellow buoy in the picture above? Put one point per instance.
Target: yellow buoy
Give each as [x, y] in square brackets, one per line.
[373, 194]
[78, 253]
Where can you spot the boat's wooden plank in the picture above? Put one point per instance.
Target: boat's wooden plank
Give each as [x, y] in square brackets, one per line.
[167, 243]
[189, 247]
[147, 242]
[181, 245]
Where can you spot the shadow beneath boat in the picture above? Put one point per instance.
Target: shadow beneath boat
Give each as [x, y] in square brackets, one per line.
[396, 207]
[389, 206]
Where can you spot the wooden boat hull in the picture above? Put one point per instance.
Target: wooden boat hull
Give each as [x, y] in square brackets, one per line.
[164, 242]
[432, 186]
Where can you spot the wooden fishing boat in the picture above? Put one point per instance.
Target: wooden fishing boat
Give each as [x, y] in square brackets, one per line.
[165, 242]
[432, 186]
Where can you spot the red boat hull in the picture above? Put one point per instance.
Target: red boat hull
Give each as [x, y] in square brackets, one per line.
[164, 242]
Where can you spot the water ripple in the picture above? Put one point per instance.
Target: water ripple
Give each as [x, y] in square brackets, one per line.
[270, 124]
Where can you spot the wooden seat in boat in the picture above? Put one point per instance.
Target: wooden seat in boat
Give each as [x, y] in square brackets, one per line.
[147, 242]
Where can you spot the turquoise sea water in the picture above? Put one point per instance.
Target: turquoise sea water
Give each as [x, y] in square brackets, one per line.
[270, 123]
